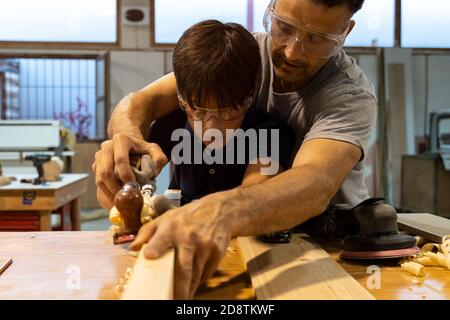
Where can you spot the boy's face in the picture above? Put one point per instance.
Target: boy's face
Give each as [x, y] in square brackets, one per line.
[211, 116]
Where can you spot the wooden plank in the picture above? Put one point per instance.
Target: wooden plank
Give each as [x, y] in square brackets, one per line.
[396, 123]
[231, 280]
[151, 279]
[300, 270]
[424, 224]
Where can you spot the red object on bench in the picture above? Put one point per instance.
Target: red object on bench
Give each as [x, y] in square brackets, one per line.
[19, 221]
[14, 221]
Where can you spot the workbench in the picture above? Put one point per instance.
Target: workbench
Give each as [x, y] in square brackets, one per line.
[26, 199]
[86, 265]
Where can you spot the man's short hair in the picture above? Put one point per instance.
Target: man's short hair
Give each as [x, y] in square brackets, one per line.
[214, 60]
[354, 5]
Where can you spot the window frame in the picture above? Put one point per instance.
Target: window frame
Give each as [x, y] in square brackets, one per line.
[76, 56]
[427, 50]
[71, 45]
[397, 34]
[170, 46]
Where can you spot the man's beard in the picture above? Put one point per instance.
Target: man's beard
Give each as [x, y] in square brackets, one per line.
[294, 73]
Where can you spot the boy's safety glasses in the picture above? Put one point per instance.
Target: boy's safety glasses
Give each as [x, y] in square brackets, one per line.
[223, 113]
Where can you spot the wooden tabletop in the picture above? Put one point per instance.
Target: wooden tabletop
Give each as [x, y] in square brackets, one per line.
[394, 282]
[47, 264]
[50, 196]
[86, 265]
[65, 180]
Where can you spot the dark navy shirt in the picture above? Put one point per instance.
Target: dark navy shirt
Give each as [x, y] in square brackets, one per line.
[198, 180]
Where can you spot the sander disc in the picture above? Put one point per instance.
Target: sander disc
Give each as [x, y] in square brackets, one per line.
[386, 254]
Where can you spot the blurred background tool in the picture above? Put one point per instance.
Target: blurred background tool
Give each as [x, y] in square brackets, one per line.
[369, 231]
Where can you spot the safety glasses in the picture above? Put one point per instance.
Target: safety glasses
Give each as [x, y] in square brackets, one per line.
[223, 113]
[285, 32]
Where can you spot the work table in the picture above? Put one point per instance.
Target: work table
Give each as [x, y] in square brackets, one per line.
[23, 199]
[86, 265]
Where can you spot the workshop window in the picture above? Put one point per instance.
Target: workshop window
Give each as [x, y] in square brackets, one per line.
[375, 25]
[56, 21]
[425, 24]
[69, 90]
[375, 22]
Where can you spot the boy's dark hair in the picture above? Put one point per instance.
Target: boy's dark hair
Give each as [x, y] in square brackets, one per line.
[218, 61]
[354, 5]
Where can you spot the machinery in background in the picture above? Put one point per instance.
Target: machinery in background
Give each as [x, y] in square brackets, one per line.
[43, 142]
[426, 177]
[440, 142]
[49, 168]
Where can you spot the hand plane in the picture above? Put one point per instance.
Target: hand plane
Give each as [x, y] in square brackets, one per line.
[136, 204]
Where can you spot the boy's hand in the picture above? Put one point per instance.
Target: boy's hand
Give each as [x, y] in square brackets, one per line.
[112, 164]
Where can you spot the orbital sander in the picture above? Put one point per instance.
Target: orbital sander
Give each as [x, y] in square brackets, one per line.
[369, 231]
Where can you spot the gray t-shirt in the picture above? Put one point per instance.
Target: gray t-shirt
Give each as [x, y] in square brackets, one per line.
[339, 103]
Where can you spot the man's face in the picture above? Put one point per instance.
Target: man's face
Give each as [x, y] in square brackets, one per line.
[292, 65]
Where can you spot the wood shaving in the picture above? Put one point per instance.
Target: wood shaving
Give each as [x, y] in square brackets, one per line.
[433, 254]
[438, 258]
[431, 247]
[414, 268]
[445, 246]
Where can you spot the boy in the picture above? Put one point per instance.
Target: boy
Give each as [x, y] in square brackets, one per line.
[217, 68]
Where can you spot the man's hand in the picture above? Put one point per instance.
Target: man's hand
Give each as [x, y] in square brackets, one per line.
[200, 237]
[112, 164]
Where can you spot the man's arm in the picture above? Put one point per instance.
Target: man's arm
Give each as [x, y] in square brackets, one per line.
[127, 128]
[299, 194]
[201, 231]
[253, 174]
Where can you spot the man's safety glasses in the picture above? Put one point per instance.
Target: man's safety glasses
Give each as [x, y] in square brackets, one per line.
[284, 32]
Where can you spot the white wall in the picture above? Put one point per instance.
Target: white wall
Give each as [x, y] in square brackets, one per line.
[438, 96]
[133, 70]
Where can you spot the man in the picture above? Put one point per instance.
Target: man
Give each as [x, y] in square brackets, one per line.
[308, 82]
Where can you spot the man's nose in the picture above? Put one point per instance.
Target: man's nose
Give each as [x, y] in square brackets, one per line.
[294, 49]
